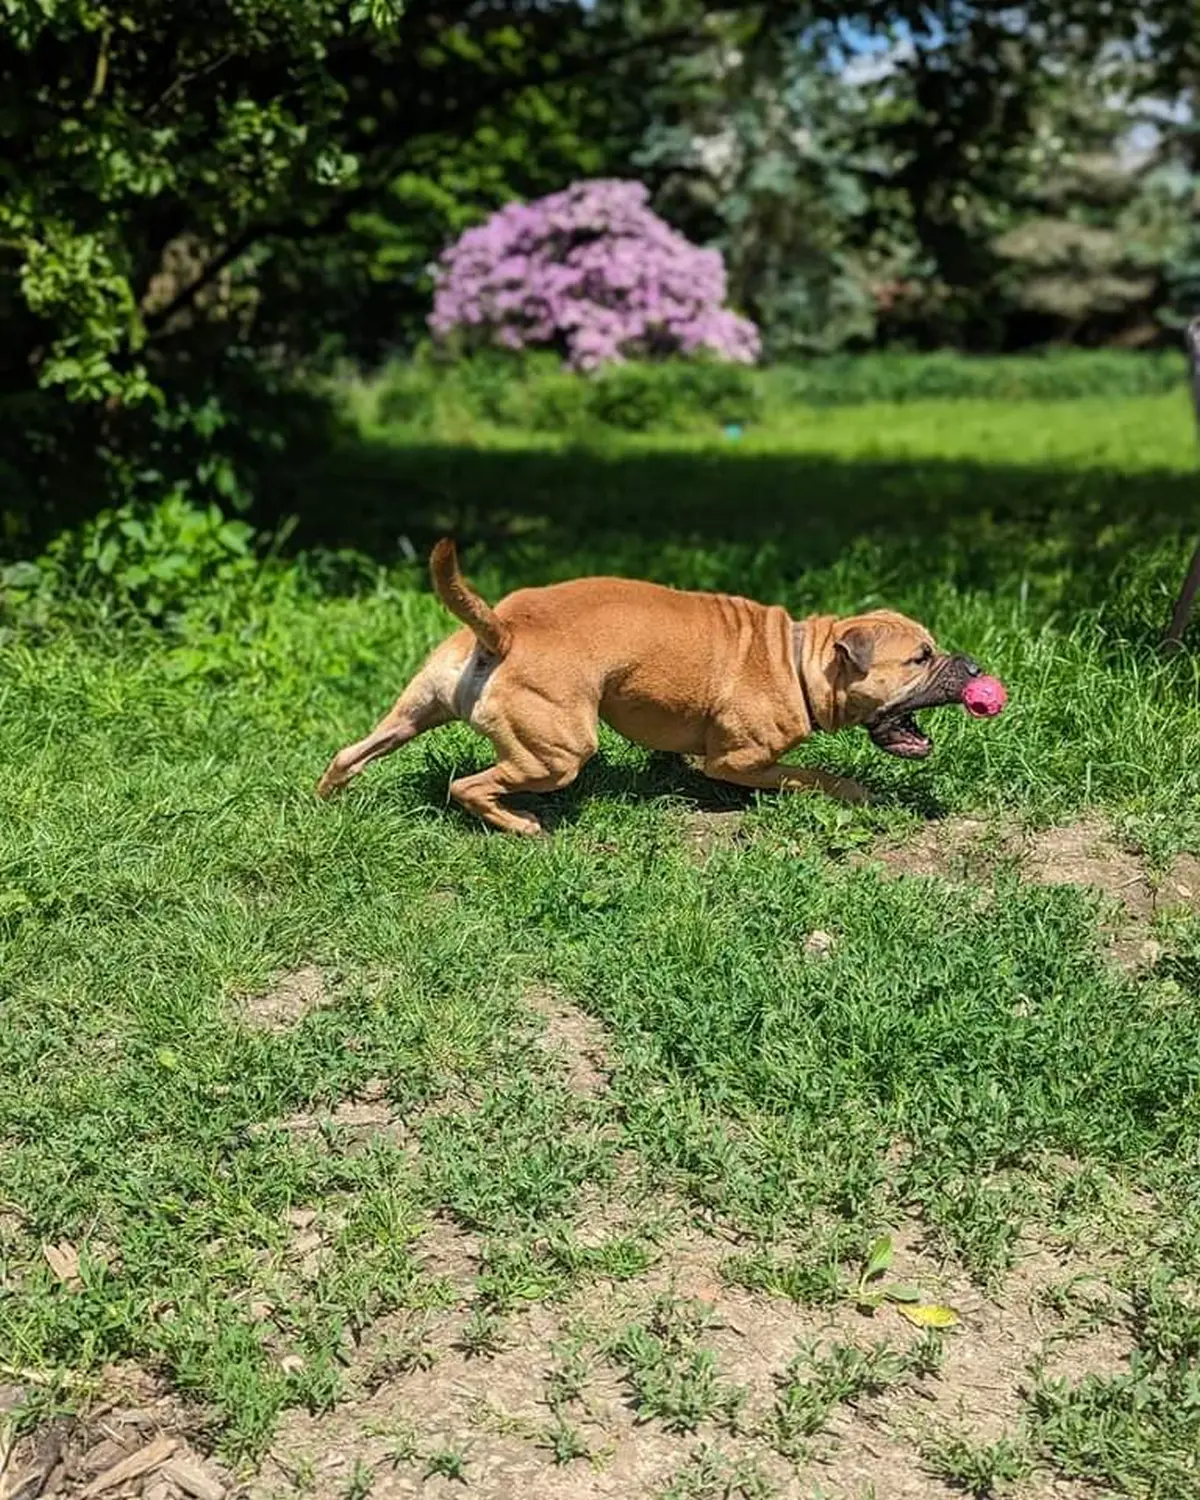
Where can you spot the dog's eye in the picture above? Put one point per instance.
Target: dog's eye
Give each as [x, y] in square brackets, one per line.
[923, 655]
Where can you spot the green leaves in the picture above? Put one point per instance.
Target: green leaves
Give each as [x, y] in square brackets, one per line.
[152, 561]
[879, 1258]
[383, 15]
[182, 203]
[72, 282]
[874, 1292]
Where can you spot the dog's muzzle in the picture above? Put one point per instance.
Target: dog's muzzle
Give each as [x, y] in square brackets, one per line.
[894, 728]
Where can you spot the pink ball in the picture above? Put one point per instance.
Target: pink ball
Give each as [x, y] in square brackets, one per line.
[984, 697]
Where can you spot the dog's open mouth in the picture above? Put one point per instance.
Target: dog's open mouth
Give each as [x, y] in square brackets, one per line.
[895, 728]
[899, 734]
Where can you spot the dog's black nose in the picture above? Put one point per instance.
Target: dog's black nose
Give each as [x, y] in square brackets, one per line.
[970, 666]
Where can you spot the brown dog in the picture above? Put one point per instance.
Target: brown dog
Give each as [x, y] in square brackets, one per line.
[733, 683]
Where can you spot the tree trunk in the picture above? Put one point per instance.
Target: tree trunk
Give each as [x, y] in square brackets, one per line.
[1173, 640]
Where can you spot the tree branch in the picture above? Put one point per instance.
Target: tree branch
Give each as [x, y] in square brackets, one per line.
[184, 298]
[100, 76]
[336, 216]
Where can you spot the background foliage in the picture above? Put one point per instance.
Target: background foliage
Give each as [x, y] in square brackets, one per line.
[208, 211]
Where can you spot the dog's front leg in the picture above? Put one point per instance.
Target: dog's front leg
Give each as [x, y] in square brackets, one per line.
[773, 777]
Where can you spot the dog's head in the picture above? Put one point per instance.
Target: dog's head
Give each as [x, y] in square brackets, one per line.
[886, 667]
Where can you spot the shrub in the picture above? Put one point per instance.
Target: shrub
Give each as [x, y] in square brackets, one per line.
[535, 393]
[1053, 374]
[634, 399]
[407, 397]
[593, 274]
[637, 398]
[148, 561]
[559, 403]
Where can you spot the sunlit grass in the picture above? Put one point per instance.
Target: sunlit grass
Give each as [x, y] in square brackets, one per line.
[162, 856]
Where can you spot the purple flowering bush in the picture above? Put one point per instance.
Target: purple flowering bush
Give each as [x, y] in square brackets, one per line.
[592, 273]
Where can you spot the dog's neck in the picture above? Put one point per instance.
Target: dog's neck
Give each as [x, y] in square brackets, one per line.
[811, 645]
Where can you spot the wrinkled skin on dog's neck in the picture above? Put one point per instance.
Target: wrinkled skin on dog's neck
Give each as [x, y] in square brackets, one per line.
[812, 642]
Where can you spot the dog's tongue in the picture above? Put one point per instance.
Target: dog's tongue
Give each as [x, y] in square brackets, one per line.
[984, 697]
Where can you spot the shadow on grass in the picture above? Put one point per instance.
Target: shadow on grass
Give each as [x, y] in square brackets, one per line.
[1067, 538]
[650, 780]
[971, 548]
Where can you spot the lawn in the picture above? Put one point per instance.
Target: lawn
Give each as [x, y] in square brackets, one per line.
[361, 1152]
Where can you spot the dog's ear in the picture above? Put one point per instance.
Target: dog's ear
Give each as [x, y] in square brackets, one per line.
[856, 645]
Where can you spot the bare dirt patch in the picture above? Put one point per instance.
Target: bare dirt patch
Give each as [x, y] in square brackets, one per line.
[133, 1443]
[576, 1041]
[1084, 853]
[355, 1122]
[554, 1410]
[451, 1254]
[501, 1417]
[992, 1358]
[990, 1362]
[551, 1406]
[969, 850]
[861, 1457]
[1087, 854]
[288, 1000]
[708, 829]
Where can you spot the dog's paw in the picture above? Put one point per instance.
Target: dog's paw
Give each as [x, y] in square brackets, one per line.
[330, 782]
[509, 822]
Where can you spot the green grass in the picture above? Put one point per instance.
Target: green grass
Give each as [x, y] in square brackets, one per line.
[818, 1381]
[162, 856]
[534, 393]
[983, 1470]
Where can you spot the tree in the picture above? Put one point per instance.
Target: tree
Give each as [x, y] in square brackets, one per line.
[180, 230]
[951, 197]
[592, 274]
[204, 202]
[754, 151]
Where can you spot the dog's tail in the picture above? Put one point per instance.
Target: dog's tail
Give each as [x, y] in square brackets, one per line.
[461, 600]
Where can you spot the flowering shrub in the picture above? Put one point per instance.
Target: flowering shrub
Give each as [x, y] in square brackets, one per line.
[593, 273]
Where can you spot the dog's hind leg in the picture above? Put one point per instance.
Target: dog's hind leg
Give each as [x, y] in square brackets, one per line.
[420, 707]
[481, 793]
[524, 764]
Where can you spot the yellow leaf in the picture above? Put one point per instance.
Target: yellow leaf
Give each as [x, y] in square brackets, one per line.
[927, 1314]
